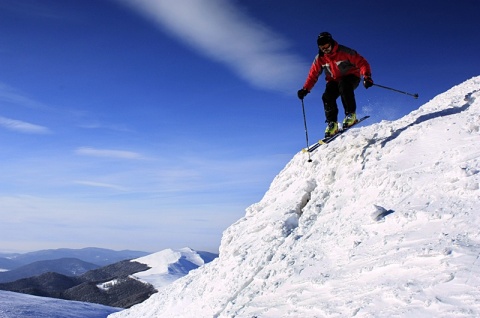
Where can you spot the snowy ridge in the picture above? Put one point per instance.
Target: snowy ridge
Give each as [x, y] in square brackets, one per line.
[383, 223]
[169, 265]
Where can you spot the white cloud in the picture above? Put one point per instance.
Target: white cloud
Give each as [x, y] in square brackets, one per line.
[22, 126]
[101, 185]
[121, 154]
[225, 33]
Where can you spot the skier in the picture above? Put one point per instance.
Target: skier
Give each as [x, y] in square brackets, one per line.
[343, 67]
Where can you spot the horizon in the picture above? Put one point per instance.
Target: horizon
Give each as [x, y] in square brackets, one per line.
[82, 248]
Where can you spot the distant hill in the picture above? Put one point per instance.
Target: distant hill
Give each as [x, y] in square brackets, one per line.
[48, 285]
[112, 285]
[169, 265]
[94, 255]
[8, 264]
[64, 266]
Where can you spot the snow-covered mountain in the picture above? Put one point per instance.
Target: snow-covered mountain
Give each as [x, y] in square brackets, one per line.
[169, 265]
[383, 223]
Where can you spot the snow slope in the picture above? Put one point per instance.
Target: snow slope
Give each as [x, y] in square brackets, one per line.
[15, 305]
[383, 223]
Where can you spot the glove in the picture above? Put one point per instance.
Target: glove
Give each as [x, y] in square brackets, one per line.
[302, 93]
[367, 82]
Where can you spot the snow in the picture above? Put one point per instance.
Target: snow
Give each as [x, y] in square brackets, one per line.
[15, 305]
[168, 265]
[107, 285]
[383, 223]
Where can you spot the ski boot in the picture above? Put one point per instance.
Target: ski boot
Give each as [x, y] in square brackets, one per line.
[332, 129]
[349, 120]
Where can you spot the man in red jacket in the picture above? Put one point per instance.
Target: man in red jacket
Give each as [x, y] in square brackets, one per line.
[343, 68]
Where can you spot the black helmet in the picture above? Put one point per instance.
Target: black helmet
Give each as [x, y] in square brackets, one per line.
[324, 38]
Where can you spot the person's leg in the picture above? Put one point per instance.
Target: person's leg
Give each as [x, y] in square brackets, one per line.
[346, 87]
[329, 98]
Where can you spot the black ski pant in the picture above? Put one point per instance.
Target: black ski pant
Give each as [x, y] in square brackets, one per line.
[344, 88]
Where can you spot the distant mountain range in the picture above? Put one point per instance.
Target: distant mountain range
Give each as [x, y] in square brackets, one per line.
[113, 285]
[94, 255]
[64, 266]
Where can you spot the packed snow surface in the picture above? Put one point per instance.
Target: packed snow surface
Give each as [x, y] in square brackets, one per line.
[383, 223]
[15, 305]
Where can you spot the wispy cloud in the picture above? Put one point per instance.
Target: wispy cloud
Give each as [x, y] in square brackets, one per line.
[101, 185]
[222, 31]
[97, 125]
[109, 153]
[12, 96]
[23, 127]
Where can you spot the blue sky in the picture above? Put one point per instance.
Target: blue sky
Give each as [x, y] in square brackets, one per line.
[153, 124]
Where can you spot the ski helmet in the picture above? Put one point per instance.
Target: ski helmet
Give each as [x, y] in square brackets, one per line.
[324, 38]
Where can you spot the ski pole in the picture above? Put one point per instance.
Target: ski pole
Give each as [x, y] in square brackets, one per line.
[396, 90]
[306, 131]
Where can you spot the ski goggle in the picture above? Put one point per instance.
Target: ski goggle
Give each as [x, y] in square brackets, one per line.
[325, 47]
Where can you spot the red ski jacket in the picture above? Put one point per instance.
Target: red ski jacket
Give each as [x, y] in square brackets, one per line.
[339, 62]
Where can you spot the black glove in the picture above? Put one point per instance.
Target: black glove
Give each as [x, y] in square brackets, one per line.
[302, 93]
[367, 82]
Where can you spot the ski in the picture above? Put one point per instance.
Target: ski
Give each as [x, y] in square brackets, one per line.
[331, 138]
